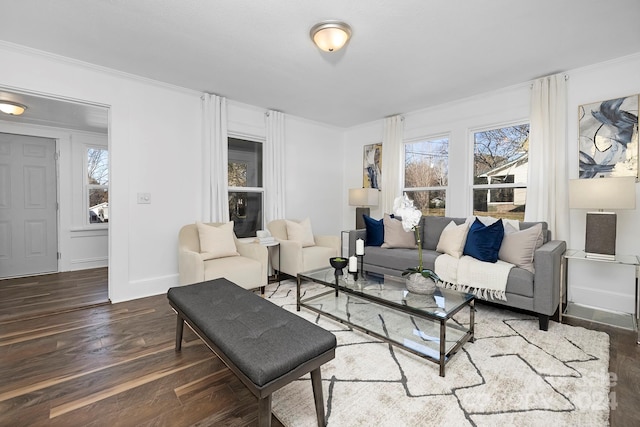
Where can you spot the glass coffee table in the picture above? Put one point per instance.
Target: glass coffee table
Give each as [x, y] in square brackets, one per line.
[381, 306]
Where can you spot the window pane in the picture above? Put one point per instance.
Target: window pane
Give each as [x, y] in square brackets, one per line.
[500, 202]
[432, 202]
[98, 166]
[499, 153]
[245, 210]
[426, 163]
[245, 163]
[98, 205]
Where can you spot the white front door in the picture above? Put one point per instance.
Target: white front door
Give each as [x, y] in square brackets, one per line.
[28, 200]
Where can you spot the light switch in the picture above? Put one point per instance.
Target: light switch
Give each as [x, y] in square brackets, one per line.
[144, 198]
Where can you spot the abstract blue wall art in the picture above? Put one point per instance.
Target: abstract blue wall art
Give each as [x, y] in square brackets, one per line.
[608, 138]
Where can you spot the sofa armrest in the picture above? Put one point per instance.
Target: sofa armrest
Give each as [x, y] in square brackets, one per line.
[353, 236]
[259, 253]
[329, 242]
[547, 262]
[190, 267]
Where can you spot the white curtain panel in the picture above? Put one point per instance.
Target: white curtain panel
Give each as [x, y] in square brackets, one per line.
[215, 200]
[548, 178]
[392, 151]
[274, 166]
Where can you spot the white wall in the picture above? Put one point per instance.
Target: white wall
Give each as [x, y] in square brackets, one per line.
[459, 119]
[155, 147]
[600, 285]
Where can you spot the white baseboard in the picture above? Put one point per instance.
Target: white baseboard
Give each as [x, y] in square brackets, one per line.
[144, 288]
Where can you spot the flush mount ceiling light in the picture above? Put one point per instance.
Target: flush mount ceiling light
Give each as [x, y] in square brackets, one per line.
[330, 36]
[12, 108]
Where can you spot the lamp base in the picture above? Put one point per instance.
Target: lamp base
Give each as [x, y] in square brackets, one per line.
[359, 219]
[600, 238]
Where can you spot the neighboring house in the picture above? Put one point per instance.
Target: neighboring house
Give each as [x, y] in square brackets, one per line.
[508, 199]
[99, 212]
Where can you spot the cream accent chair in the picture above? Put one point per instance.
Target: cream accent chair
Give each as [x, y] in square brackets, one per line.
[249, 269]
[294, 258]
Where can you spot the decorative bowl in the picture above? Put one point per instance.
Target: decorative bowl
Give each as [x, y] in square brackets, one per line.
[338, 262]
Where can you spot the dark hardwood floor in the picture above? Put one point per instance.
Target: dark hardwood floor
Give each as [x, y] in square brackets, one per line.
[115, 364]
[35, 296]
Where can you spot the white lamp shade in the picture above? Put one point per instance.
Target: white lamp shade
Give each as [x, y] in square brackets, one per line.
[363, 196]
[603, 193]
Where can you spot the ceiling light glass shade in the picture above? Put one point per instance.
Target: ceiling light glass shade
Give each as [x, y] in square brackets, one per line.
[330, 36]
[12, 108]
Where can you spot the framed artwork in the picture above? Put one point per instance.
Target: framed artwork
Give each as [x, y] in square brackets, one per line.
[608, 138]
[372, 166]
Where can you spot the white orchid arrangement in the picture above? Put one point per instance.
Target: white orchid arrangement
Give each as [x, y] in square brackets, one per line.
[411, 216]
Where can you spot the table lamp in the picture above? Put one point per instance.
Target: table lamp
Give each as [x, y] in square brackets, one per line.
[601, 194]
[363, 198]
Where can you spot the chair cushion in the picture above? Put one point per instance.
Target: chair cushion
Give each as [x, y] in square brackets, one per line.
[216, 242]
[316, 257]
[301, 232]
[395, 236]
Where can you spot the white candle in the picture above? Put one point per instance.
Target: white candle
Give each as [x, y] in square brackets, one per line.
[359, 247]
[353, 264]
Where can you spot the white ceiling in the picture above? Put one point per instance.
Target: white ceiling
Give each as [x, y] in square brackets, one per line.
[404, 55]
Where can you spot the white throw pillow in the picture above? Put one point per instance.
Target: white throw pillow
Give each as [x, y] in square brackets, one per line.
[452, 239]
[519, 247]
[301, 232]
[216, 242]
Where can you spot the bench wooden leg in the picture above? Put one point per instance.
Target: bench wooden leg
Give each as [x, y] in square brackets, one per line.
[179, 329]
[264, 411]
[316, 383]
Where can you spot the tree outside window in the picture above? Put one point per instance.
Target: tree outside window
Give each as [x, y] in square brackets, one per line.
[426, 174]
[500, 167]
[98, 185]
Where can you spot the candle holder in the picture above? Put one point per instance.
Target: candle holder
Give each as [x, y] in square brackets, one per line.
[361, 263]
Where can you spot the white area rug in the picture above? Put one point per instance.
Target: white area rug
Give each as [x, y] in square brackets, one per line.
[512, 375]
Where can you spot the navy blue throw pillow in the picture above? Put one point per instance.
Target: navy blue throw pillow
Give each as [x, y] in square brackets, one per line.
[483, 241]
[375, 231]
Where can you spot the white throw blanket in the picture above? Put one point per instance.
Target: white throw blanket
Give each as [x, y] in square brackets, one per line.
[485, 280]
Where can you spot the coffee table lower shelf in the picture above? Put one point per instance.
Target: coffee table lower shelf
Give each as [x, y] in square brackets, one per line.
[436, 340]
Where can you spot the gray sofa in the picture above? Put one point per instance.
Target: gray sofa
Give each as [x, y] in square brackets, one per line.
[538, 293]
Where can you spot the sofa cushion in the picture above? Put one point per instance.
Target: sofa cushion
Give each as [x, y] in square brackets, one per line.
[395, 236]
[375, 231]
[397, 259]
[452, 239]
[432, 227]
[483, 241]
[518, 247]
[301, 232]
[216, 242]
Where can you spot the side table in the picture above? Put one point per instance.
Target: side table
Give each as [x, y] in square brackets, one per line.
[275, 277]
[570, 309]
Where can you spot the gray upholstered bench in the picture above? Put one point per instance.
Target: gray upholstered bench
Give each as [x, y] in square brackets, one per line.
[266, 346]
